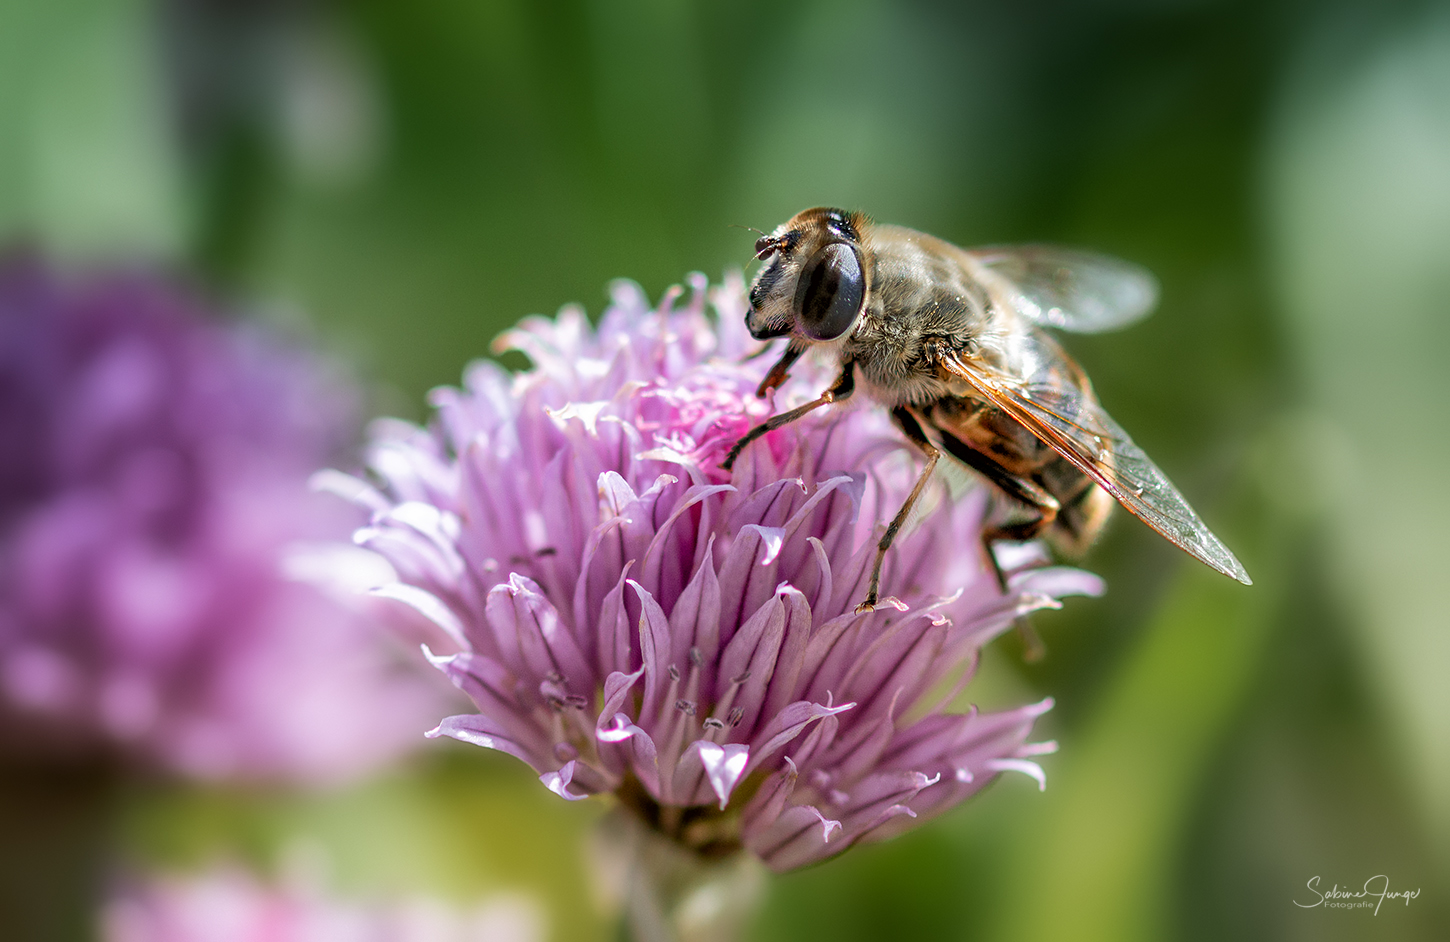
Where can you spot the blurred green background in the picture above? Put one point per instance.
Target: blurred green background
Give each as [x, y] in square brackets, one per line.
[403, 180]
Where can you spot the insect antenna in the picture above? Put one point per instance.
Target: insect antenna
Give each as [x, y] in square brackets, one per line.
[764, 235]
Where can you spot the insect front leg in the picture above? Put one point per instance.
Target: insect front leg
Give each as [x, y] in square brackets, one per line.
[840, 391]
[911, 428]
[780, 372]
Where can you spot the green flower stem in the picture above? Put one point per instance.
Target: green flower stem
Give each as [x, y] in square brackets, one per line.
[667, 893]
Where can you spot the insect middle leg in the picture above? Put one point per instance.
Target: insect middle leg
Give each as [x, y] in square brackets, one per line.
[913, 431]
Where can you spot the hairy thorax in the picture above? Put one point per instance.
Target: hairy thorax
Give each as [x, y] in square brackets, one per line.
[916, 305]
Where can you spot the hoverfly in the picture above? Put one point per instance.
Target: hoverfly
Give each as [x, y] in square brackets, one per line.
[951, 340]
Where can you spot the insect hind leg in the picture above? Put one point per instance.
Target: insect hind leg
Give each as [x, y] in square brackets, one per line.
[1018, 532]
[1042, 507]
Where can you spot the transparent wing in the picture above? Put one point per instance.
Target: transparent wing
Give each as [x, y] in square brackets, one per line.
[1071, 289]
[1052, 405]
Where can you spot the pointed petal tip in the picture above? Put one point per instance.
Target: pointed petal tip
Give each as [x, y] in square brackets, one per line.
[772, 538]
[426, 604]
[319, 480]
[1026, 767]
[1035, 710]
[724, 766]
[621, 730]
[558, 782]
[828, 825]
[440, 661]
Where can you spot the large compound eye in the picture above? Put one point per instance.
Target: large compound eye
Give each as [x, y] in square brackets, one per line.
[830, 292]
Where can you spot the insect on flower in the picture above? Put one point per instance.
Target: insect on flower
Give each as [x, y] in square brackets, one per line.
[629, 620]
[951, 340]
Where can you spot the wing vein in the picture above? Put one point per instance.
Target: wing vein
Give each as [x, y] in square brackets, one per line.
[1104, 452]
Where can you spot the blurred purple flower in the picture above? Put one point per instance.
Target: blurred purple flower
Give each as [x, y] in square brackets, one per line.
[628, 618]
[153, 472]
[227, 904]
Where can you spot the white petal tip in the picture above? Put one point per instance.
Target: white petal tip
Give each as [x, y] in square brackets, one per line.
[558, 782]
[1027, 768]
[724, 765]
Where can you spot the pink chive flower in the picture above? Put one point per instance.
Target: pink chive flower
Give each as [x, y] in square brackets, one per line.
[228, 904]
[630, 619]
[153, 474]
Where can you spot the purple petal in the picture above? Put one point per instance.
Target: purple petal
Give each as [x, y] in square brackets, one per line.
[724, 766]
[742, 585]
[784, 681]
[654, 557]
[559, 782]
[828, 826]
[481, 731]
[769, 801]
[1057, 581]
[654, 645]
[644, 761]
[428, 605]
[1025, 766]
[620, 730]
[790, 723]
[616, 687]
[748, 663]
[801, 835]
[695, 620]
[531, 638]
[614, 635]
[351, 489]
